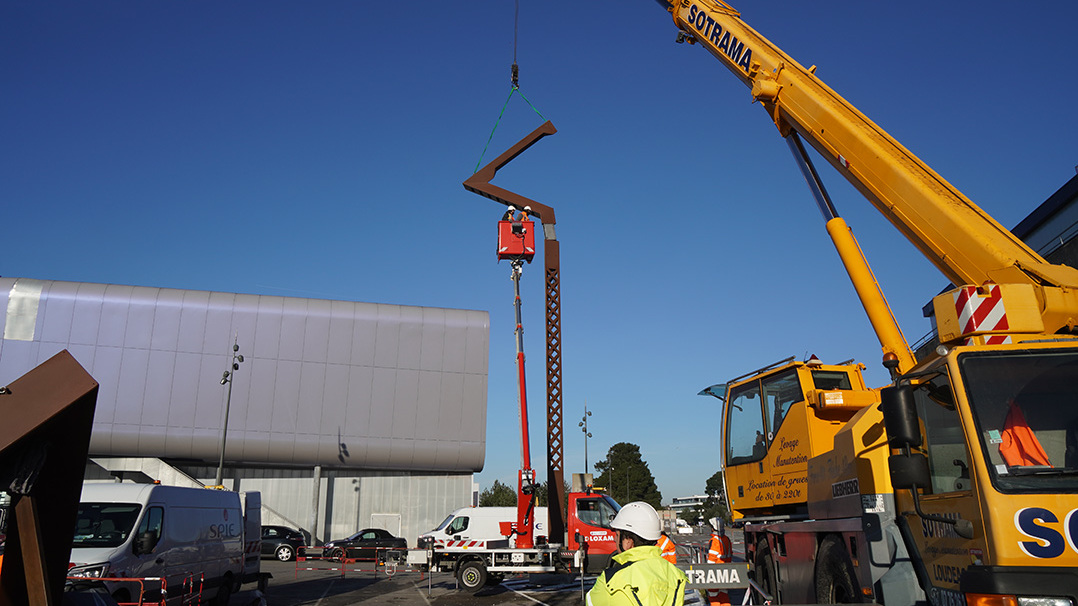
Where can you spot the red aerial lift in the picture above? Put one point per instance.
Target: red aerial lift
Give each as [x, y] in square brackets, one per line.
[516, 244]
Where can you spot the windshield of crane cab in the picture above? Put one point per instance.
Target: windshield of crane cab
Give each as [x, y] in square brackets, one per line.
[1025, 405]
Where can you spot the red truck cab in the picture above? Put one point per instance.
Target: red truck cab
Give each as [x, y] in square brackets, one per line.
[590, 514]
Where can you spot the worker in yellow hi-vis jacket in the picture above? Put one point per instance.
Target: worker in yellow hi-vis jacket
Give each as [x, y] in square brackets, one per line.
[638, 575]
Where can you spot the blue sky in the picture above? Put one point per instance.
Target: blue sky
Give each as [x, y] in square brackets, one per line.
[317, 149]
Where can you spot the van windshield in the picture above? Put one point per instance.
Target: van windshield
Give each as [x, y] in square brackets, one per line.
[445, 522]
[104, 524]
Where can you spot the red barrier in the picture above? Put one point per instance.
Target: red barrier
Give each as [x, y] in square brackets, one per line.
[388, 559]
[191, 589]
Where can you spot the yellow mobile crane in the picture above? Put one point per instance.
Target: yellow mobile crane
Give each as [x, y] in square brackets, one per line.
[957, 483]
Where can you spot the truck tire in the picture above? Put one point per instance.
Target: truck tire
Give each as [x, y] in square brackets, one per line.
[835, 577]
[224, 593]
[495, 579]
[765, 571]
[472, 575]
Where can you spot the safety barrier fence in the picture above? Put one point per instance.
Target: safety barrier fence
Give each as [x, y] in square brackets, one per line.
[148, 591]
[385, 560]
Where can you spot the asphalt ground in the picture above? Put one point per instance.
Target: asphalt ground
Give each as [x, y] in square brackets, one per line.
[361, 583]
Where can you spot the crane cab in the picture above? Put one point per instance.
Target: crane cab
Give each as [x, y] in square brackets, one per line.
[777, 418]
[516, 240]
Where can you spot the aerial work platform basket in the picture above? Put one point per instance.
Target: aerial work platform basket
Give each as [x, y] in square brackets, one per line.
[516, 240]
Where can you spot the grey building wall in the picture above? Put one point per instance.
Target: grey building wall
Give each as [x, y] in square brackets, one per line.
[405, 503]
[333, 383]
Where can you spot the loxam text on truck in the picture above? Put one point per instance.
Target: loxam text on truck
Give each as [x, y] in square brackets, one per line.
[958, 482]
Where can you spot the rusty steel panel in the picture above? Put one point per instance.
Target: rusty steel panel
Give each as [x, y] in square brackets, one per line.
[479, 183]
[48, 415]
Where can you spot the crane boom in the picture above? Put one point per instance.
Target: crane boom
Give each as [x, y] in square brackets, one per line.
[924, 491]
[966, 244]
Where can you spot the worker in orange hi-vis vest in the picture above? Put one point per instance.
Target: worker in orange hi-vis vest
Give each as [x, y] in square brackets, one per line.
[1019, 446]
[719, 551]
[667, 548]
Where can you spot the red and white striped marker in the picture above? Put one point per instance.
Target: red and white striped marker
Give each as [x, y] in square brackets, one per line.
[981, 309]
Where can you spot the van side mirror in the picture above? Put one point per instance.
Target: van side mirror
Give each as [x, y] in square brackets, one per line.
[900, 417]
[145, 542]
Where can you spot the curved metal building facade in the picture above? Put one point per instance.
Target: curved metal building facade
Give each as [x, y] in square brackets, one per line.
[330, 383]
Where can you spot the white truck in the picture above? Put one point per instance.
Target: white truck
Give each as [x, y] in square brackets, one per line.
[479, 527]
[196, 539]
[464, 544]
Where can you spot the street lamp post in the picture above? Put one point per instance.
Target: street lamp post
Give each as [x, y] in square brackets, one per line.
[227, 378]
[583, 424]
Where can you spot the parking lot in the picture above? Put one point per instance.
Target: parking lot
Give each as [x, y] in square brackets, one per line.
[405, 588]
[292, 585]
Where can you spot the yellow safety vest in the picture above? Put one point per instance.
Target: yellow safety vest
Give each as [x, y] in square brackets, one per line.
[639, 577]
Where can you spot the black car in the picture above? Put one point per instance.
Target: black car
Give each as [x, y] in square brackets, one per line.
[367, 544]
[282, 542]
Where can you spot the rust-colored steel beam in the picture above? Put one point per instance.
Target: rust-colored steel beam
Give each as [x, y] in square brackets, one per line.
[48, 414]
[479, 183]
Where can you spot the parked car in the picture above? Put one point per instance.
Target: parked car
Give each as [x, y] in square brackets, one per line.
[282, 542]
[367, 544]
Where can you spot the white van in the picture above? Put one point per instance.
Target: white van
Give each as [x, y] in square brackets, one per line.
[478, 526]
[192, 536]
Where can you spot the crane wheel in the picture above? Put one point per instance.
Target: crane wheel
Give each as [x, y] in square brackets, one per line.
[765, 570]
[835, 577]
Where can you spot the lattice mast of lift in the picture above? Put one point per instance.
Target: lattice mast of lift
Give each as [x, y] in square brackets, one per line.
[516, 244]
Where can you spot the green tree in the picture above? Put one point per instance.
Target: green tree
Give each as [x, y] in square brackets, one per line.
[544, 494]
[626, 476]
[498, 495]
[504, 495]
[715, 505]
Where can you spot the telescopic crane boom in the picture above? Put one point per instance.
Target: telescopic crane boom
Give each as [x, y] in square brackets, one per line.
[966, 244]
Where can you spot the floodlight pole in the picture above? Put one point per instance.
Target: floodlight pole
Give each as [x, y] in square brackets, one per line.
[228, 377]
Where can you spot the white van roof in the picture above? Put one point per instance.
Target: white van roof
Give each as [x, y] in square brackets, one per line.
[111, 492]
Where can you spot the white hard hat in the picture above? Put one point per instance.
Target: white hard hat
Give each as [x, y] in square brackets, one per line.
[640, 519]
[718, 524]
